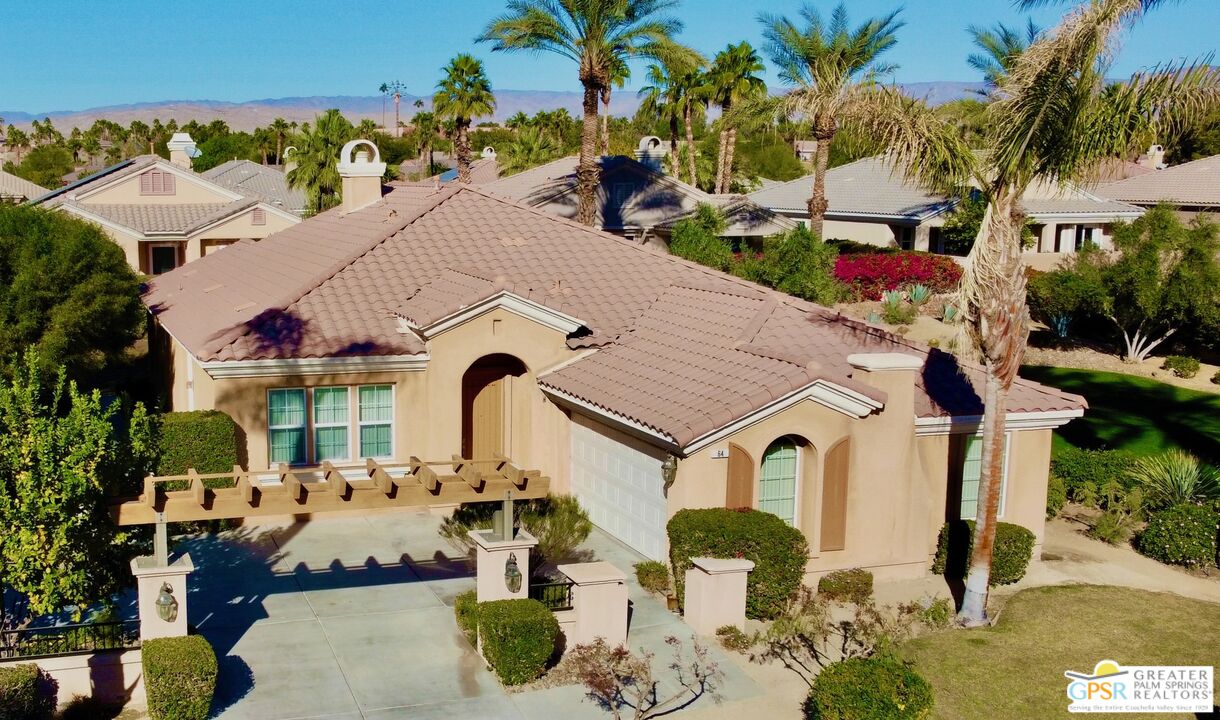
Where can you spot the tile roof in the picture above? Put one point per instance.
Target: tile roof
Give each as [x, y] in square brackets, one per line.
[254, 180]
[1195, 183]
[177, 218]
[681, 348]
[12, 186]
[105, 175]
[868, 187]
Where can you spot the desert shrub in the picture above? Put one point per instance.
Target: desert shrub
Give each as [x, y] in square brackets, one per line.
[1182, 366]
[518, 638]
[23, 695]
[937, 614]
[868, 275]
[1014, 546]
[179, 677]
[895, 310]
[206, 440]
[1086, 472]
[779, 552]
[919, 295]
[854, 585]
[880, 687]
[1056, 496]
[466, 611]
[1112, 527]
[653, 576]
[1058, 298]
[796, 263]
[1174, 478]
[558, 521]
[733, 638]
[1181, 535]
[1216, 378]
[697, 238]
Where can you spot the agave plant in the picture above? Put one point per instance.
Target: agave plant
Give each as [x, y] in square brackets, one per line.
[1174, 478]
[948, 314]
[891, 298]
[919, 294]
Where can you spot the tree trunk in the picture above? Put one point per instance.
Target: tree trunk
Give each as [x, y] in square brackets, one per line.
[606, 121]
[817, 200]
[279, 150]
[587, 171]
[994, 293]
[674, 164]
[463, 149]
[724, 148]
[397, 100]
[728, 163]
[687, 112]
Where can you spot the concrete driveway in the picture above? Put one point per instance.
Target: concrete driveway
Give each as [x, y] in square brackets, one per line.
[352, 618]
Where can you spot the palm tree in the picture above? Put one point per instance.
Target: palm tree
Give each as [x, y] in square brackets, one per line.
[834, 70]
[619, 74]
[366, 128]
[1054, 117]
[595, 34]
[16, 140]
[999, 47]
[694, 94]
[533, 146]
[394, 90]
[464, 93]
[659, 100]
[426, 128]
[280, 129]
[317, 159]
[731, 80]
[517, 121]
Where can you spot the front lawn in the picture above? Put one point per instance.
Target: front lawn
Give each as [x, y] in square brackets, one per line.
[1015, 669]
[1136, 414]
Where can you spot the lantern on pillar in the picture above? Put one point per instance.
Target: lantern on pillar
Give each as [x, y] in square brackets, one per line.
[167, 604]
[512, 574]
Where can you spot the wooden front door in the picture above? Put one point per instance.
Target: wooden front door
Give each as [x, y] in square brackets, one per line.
[483, 414]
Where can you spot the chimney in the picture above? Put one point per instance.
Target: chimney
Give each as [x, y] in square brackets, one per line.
[489, 152]
[651, 152]
[182, 150]
[289, 163]
[361, 174]
[1154, 159]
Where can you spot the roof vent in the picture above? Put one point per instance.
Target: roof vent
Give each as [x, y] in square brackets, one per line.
[361, 174]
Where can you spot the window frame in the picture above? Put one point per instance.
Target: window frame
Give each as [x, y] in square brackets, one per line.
[360, 424]
[796, 480]
[304, 426]
[978, 437]
[314, 425]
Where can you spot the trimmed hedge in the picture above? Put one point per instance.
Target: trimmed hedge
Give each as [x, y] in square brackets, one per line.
[868, 275]
[518, 638]
[653, 576]
[1014, 546]
[22, 695]
[1181, 535]
[854, 585]
[206, 440]
[880, 687]
[179, 677]
[1090, 470]
[779, 552]
[466, 610]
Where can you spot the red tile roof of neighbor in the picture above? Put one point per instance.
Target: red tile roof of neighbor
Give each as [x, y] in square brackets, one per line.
[682, 349]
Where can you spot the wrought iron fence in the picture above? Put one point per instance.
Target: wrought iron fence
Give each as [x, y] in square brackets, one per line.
[41, 642]
[555, 595]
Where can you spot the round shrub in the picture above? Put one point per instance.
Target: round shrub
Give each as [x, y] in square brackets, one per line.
[875, 688]
[653, 576]
[466, 611]
[518, 638]
[779, 552]
[1181, 535]
[1014, 546]
[855, 585]
[1182, 366]
[179, 677]
[1216, 378]
[23, 695]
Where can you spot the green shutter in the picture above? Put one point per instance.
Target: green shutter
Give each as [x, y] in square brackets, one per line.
[777, 484]
[972, 470]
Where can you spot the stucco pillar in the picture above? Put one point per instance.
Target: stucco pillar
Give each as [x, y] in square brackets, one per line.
[716, 594]
[491, 560]
[151, 576]
[599, 599]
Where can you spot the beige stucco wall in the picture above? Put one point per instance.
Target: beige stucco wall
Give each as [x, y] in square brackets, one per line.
[242, 226]
[111, 677]
[186, 190]
[878, 234]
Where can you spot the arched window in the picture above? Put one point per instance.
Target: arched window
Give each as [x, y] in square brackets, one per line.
[777, 484]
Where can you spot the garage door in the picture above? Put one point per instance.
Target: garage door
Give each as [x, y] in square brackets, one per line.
[621, 489]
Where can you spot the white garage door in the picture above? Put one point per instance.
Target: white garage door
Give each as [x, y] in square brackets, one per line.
[621, 489]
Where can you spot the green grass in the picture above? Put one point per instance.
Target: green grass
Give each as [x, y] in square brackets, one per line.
[1136, 414]
[1015, 669]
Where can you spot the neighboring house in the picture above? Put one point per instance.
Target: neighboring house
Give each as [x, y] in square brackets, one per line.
[254, 180]
[454, 321]
[636, 200]
[15, 189]
[484, 169]
[163, 214]
[1192, 188]
[806, 150]
[871, 202]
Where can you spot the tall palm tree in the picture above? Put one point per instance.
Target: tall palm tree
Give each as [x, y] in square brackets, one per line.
[595, 34]
[426, 129]
[462, 95]
[317, 159]
[618, 76]
[517, 121]
[694, 98]
[999, 47]
[280, 129]
[366, 128]
[660, 100]
[532, 147]
[732, 79]
[834, 70]
[1054, 117]
[394, 90]
[16, 140]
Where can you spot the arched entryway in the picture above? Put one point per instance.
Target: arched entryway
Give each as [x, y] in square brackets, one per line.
[486, 399]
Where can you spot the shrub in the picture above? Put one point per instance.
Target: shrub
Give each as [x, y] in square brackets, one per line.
[653, 576]
[466, 611]
[1014, 546]
[518, 638]
[779, 552]
[868, 275]
[697, 238]
[1174, 478]
[179, 677]
[1089, 471]
[1060, 297]
[796, 263]
[206, 440]
[1056, 496]
[895, 311]
[1216, 378]
[937, 614]
[1182, 366]
[558, 521]
[1112, 527]
[853, 585]
[733, 638]
[880, 687]
[1181, 535]
[23, 695]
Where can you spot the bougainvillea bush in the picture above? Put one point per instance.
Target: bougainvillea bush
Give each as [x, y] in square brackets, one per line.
[869, 274]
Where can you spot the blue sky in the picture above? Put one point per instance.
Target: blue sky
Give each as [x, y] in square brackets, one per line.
[75, 54]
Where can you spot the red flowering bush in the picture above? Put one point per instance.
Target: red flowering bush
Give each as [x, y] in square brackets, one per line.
[870, 274]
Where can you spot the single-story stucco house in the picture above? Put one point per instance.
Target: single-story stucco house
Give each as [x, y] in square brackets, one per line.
[429, 322]
[1191, 188]
[17, 190]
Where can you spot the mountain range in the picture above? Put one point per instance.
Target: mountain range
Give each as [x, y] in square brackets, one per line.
[254, 113]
